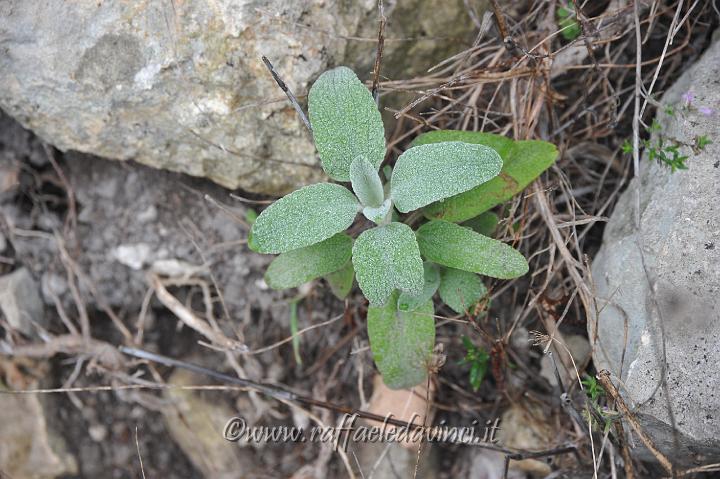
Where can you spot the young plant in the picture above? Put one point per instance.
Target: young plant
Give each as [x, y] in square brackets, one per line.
[666, 150]
[570, 29]
[450, 176]
[594, 412]
[478, 360]
[593, 390]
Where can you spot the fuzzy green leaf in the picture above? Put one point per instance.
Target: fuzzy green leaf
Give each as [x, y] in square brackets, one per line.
[366, 182]
[346, 122]
[523, 161]
[341, 281]
[458, 247]
[379, 214]
[460, 290]
[485, 224]
[499, 143]
[401, 342]
[428, 173]
[299, 266]
[569, 27]
[387, 258]
[410, 302]
[304, 217]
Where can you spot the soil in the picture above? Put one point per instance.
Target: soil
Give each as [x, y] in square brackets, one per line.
[120, 205]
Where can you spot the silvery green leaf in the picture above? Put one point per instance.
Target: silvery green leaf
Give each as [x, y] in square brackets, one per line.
[499, 143]
[341, 281]
[428, 173]
[387, 172]
[377, 215]
[458, 247]
[523, 162]
[366, 182]
[410, 302]
[346, 122]
[299, 266]
[387, 258]
[304, 217]
[460, 290]
[485, 223]
[401, 342]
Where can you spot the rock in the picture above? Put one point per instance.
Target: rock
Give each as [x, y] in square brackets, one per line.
[20, 301]
[180, 85]
[197, 424]
[98, 432]
[17, 140]
[579, 349]
[9, 174]
[525, 426]
[680, 240]
[432, 30]
[29, 448]
[53, 285]
[395, 459]
[402, 404]
[486, 464]
[134, 256]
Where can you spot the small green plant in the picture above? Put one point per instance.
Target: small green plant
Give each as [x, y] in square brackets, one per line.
[664, 149]
[594, 412]
[701, 142]
[569, 27]
[478, 359]
[666, 152]
[250, 216]
[593, 390]
[449, 177]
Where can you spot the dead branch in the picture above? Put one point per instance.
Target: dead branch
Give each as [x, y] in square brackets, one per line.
[291, 96]
[70, 344]
[188, 317]
[604, 378]
[379, 52]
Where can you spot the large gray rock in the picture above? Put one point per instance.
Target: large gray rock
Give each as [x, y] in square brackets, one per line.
[29, 447]
[180, 85]
[196, 424]
[680, 240]
[20, 302]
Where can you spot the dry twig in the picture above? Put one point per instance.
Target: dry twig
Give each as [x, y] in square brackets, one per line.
[604, 378]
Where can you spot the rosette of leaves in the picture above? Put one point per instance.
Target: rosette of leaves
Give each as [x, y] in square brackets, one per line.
[398, 270]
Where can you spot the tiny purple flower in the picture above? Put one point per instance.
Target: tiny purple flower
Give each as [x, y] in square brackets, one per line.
[706, 110]
[688, 97]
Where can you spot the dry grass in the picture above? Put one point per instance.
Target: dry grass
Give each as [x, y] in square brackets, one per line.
[520, 78]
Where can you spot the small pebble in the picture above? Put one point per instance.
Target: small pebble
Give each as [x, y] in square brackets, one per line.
[98, 432]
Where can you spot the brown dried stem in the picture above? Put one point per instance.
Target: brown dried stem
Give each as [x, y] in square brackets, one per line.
[604, 378]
